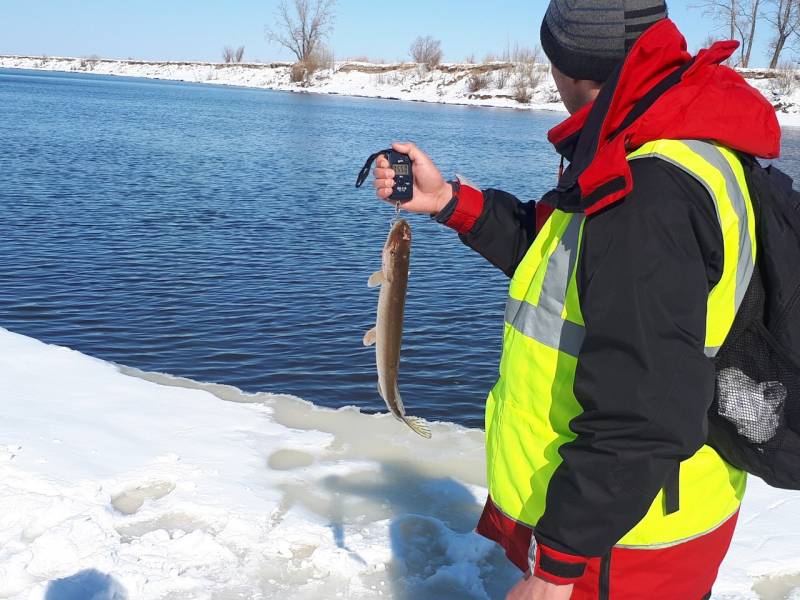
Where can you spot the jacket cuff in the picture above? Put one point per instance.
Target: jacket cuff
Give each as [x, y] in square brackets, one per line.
[464, 209]
[557, 567]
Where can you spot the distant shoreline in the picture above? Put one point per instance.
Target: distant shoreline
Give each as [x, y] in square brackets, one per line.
[398, 81]
[490, 85]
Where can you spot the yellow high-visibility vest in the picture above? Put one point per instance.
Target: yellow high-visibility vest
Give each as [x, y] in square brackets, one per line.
[529, 409]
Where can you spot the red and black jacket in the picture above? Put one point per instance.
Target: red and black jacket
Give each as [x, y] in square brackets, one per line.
[652, 250]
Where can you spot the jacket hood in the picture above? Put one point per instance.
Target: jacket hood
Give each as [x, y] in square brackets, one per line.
[659, 92]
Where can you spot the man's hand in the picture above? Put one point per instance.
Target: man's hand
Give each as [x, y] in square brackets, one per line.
[533, 588]
[431, 191]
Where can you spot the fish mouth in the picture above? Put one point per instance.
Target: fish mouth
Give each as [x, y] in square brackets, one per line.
[401, 233]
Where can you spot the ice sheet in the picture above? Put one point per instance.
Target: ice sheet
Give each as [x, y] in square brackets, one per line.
[115, 484]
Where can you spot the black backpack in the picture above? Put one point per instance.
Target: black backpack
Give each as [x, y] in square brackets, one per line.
[754, 421]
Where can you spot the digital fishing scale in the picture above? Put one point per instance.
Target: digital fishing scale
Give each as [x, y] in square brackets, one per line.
[404, 174]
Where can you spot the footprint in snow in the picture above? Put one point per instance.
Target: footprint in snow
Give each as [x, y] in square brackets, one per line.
[131, 500]
[175, 524]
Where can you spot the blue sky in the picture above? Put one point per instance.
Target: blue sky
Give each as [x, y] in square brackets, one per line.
[198, 29]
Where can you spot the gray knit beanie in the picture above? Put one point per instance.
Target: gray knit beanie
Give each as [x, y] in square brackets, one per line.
[587, 39]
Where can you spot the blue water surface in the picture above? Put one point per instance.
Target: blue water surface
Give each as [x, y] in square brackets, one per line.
[215, 233]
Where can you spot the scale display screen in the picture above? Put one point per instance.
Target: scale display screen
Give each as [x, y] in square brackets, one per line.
[400, 169]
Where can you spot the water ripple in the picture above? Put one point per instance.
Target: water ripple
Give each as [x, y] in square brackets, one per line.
[215, 234]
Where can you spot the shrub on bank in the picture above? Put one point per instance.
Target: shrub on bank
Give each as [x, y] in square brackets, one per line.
[478, 82]
[427, 51]
[784, 83]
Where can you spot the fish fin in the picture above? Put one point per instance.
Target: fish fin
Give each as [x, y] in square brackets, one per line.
[398, 400]
[370, 337]
[376, 279]
[380, 393]
[419, 426]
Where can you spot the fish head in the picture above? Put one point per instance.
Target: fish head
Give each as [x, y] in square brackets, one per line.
[398, 246]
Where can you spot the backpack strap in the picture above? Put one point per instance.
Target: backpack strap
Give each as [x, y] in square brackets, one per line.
[720, 172]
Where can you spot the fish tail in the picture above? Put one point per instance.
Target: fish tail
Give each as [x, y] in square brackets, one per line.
[419, 426]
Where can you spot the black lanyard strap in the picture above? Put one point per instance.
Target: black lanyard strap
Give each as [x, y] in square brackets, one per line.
[362, 176]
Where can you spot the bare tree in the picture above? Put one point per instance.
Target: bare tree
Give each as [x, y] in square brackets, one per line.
[426, 51]
[738, 19]
[746, 22]
[230, 55]
[723, 13]
[785, 20]
[302, 25]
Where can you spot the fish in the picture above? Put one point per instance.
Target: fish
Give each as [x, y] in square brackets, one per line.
[387, 335]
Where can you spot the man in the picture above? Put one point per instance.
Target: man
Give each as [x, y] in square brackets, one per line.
[626, 279]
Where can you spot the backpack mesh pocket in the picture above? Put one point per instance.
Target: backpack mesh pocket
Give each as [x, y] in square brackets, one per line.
[755, 408]
[755, 417]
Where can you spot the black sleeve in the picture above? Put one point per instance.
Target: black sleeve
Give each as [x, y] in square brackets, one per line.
[643, 380]
[503, 233]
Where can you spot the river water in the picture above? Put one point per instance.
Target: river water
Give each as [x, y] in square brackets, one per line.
[215, 233]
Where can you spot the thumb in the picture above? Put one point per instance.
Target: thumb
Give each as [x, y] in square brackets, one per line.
[411, 149]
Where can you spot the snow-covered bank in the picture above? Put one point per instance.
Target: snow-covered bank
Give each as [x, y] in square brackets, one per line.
[118, 484]
[449, 84]
[491, 85]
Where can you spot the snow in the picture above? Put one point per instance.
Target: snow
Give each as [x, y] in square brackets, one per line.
[117, 484]
[448, 84]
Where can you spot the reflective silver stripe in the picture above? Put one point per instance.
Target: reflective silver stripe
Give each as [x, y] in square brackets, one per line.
[546, 328]
[543, 323]
[681, 541]
[746, 262]
[560, 267]
[662, 546]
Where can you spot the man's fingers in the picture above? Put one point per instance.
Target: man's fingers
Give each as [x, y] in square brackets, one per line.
[384, 173]
[384, 193]
[383, 183]
[383, 162]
